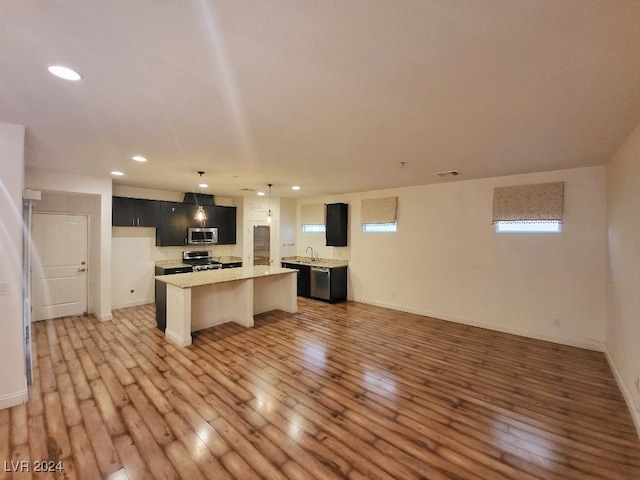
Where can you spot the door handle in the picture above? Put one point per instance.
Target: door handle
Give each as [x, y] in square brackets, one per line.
[80, 270]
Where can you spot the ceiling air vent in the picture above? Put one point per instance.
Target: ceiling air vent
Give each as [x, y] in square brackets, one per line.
[452, 173]
[248, 189]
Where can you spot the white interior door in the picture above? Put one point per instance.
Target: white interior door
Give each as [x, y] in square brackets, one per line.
[59, 265]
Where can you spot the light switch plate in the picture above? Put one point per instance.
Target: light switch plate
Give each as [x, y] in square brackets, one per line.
[5, 288]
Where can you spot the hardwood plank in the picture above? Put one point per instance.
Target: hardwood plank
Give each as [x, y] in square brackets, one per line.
[16, 419]
[68, 400]
[152, 418]
[130, 456]
[195, 447]
[83, 455]
[58, 445]
[334, 391]
[105, 452]
[157, 463]
[5, 439]
[183, 463]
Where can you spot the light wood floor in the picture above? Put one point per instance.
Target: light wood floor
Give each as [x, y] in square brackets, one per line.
[335, 391]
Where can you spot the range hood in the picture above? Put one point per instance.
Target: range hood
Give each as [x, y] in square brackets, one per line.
[193, 198]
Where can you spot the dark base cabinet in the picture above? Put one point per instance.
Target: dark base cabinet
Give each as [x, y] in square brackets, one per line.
[161, 305]
[161, 294]
[232, 265]
[337, 282]
[304, 278]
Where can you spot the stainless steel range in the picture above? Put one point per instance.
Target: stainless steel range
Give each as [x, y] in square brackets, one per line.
[200, 260]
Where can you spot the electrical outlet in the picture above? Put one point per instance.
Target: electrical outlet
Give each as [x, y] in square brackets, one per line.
[556, 322]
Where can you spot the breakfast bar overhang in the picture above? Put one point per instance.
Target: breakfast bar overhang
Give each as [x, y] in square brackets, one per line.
[200, 300]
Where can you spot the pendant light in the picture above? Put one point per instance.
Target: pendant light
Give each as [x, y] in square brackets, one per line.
[201, 215]
[269, 216]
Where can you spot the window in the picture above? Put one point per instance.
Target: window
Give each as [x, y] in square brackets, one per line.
[528, 227]
[312, 218]
[313, 228]
[380, 227]
[535, 208]
[379, 214]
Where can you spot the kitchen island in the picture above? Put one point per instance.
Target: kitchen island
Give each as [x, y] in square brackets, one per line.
[200, 300]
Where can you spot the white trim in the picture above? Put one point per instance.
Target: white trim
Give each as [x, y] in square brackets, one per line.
[177, 339]
[103, 318]
[586, 344]
[13, 399]
[131, 303]
[635, 414]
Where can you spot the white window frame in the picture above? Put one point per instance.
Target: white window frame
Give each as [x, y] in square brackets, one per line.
[380, 227]
[321, 228]
[547, 227]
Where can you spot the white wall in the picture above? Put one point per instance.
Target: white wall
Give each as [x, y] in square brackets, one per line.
[13, 383]
[623, 327]
[288, 230]
[446, 261]
[90, 189]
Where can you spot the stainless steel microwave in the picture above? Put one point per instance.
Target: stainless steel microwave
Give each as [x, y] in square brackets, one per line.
[198, 236]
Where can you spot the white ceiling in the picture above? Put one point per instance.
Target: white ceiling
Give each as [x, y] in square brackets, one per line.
[328, 95]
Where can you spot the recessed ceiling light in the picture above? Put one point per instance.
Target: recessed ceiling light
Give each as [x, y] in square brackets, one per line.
[117, 173]
[64, 72]
[203, 185]
[295, 187]
[138, 158]
[261, 194]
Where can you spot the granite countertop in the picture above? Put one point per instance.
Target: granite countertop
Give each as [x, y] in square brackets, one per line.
[228, 259]
[318, 262]
[208, 277]
[170, 264]
[179, 263]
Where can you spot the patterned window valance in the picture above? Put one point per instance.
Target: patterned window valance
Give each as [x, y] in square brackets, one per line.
[312, 214]
[542, 202]
[378, 210]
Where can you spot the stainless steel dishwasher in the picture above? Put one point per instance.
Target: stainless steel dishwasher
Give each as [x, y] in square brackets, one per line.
[320, 283]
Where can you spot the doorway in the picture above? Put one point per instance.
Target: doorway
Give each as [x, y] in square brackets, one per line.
[262, 245]
[59, 274]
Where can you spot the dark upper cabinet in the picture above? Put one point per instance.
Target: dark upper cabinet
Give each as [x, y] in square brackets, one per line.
[134, 212]
[172, 229]
[337, 224]
[226, 219]
[209, 210]
[172, 219]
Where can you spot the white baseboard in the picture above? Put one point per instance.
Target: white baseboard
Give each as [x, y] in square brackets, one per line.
[177, 339]
[635, 414]
[13, 399]
[589, 345]
[103, 317]
[132, 303]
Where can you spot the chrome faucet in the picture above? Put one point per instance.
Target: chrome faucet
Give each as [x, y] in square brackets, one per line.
[309, 248]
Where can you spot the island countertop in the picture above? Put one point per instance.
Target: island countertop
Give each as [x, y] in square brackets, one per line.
[208, 277]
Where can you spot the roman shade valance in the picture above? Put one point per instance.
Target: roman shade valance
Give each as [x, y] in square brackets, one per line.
[378, 210]
[312, 214]
[542, 202]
